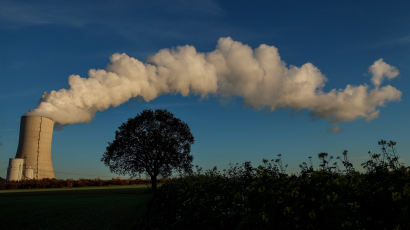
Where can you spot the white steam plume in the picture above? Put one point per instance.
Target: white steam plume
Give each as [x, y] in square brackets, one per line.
[258, 75]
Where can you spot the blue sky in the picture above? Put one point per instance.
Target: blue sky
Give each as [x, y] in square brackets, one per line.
[42, 43]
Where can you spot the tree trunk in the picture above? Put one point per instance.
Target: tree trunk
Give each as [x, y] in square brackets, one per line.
[154, 183]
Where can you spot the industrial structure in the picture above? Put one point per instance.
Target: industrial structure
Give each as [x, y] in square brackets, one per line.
[33, 157]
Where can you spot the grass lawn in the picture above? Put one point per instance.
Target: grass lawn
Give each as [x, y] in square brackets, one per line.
[116, 207]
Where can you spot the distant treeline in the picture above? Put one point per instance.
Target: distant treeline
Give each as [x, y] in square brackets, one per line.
[69, 183]
[266, 197]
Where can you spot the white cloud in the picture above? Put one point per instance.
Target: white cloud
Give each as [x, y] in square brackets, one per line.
[380, 70]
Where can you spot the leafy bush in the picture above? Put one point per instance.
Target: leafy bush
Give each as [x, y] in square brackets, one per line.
[265, 197]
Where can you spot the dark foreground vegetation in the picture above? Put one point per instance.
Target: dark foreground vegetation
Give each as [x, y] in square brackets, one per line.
[333, 195]
[265, 197]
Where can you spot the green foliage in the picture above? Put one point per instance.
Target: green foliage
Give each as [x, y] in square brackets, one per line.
[264, 197]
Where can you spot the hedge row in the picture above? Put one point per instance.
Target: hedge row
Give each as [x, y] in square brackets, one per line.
[69, 183]
[264, 197]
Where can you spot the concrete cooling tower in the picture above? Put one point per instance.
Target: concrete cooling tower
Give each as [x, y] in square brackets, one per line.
[33, 157]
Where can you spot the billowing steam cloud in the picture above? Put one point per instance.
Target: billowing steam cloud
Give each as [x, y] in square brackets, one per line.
[258, 75]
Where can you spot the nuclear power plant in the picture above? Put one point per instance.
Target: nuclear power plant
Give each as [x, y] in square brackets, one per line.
[33, 157]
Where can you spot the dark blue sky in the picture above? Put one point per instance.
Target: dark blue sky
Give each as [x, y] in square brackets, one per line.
[43, 42]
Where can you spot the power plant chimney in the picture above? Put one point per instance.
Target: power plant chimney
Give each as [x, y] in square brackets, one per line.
[36, 133]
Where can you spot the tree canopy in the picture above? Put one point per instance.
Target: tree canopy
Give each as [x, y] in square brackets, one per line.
[153, 142]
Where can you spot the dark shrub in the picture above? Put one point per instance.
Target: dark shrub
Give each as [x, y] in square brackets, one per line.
[264, 197]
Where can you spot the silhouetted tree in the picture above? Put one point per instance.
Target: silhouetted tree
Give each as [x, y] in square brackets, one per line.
[153, 142]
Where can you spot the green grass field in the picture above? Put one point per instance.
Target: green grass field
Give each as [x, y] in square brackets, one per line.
[116, 207]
